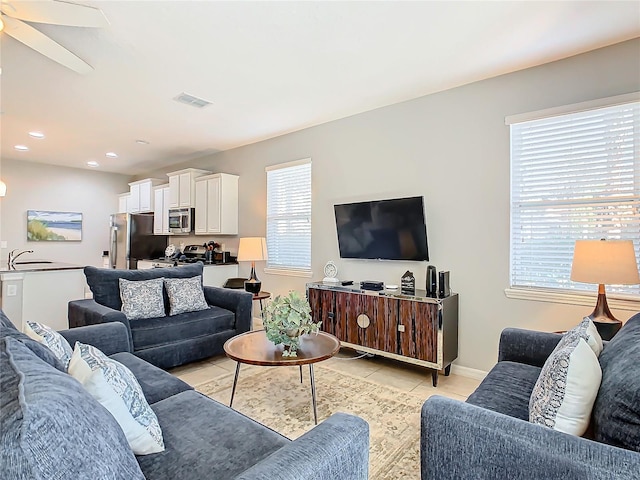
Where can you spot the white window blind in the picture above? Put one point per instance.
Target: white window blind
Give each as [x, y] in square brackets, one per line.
[289, 216]
[573, 176]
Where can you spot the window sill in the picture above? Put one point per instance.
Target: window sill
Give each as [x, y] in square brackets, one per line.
[289, 273]
[571, 298]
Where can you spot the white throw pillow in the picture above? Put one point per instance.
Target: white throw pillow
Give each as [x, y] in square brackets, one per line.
[587, 330]
[142, 298]
[563, 396]
[185, 295]
[116, 388]
[51, 339]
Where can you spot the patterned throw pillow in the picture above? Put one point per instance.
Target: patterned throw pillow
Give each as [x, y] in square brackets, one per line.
[185, 295]
[563, 396]
[142, 299]
[116, 388]
[585, 329]
[52, 339]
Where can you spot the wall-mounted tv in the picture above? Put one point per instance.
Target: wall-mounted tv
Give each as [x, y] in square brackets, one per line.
[392, 229]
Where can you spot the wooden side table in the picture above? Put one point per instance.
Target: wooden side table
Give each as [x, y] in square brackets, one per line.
[253, 348]
[261, 296]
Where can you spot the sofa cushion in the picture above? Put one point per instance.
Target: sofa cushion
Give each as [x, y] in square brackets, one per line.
[585, 329]
[205, 439]
[563, 396]
[507, 389]
[150, 332]
[50, 339]
[105, 287]
[142, 298]
[616, 412]
[156, 384]
[49, 423]
[185, 295]
[116, 388]
[8, 329]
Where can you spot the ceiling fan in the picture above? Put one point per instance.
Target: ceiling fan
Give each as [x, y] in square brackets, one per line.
[54, 12]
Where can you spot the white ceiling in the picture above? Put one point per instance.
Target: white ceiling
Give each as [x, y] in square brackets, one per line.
[269, 68]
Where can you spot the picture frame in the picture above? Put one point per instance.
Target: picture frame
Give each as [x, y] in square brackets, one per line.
[52, 226]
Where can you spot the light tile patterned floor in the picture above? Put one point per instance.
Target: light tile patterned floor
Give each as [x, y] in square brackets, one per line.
[400, 375]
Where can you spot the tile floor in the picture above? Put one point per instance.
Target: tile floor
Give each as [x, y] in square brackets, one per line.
[400, 375]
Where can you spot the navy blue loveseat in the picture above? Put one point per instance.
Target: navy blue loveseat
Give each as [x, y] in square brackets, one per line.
[167, 341]
[490, 437]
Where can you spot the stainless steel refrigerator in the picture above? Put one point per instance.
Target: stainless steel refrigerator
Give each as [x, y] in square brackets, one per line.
[132, 239]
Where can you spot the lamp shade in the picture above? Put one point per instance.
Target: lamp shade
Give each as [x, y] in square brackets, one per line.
[252, 249]
[3, 188]
[607, 262]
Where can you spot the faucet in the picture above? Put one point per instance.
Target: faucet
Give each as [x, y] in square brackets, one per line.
[12, 257]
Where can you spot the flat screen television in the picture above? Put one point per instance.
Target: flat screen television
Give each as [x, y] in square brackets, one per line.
[392, 229]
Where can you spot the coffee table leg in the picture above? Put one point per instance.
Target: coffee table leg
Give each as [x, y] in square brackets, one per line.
[313, 394]
[300, 373]
[235, 382]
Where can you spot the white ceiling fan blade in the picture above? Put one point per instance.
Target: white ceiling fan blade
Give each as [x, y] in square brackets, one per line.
[55, 13]
[41, 43]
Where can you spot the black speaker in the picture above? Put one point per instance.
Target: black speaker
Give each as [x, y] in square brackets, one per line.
[432, 281]
[443, 285]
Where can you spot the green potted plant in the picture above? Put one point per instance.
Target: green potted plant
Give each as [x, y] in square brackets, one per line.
[286, 319]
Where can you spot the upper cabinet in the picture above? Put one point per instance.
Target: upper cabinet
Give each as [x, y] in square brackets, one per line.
[216, 203]
[123, 203]
[161, 210]
[141, 195]
[182, 192]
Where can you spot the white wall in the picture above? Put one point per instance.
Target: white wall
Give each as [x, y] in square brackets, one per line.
[453, 148]
[33, 186]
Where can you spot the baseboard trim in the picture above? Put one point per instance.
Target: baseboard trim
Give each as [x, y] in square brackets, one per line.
[468, 372]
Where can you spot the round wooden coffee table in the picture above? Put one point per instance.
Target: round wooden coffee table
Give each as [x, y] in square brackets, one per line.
[253, 348]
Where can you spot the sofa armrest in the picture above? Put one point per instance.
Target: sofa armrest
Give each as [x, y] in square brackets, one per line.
[526, 346]
[89, 312]
[109, 338]
[337, 448]
[460, 440]
[239, 302]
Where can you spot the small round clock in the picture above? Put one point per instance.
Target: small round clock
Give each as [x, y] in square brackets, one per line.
[330, 273]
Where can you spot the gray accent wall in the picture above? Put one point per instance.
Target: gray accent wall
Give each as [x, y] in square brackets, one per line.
[35, 186]
[452, 147]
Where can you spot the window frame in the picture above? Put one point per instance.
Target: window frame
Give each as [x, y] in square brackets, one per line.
[620, 301]
[283, 269]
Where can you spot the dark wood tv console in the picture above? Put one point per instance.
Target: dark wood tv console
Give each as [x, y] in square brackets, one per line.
[412, 328]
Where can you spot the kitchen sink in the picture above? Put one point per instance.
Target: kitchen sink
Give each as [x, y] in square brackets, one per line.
[33, 262]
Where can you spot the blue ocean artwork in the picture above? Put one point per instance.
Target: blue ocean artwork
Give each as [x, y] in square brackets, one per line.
[46, 226]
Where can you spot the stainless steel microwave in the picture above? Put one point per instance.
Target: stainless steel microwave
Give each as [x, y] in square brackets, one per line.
[181, 220]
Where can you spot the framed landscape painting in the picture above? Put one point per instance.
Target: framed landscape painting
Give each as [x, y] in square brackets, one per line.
[43, 226]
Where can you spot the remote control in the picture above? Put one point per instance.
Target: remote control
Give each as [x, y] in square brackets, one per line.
[347, 282]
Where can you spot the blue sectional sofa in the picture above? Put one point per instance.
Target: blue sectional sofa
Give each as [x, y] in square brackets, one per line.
[490, 437]
[166, 341]
[50, 427]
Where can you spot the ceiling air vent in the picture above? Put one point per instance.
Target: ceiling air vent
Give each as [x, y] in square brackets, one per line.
[191, 100]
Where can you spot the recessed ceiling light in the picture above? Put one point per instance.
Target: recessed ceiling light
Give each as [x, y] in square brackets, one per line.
[93, 164]
[38, 135]
[142, 142]
[111, 155]
[21, 148]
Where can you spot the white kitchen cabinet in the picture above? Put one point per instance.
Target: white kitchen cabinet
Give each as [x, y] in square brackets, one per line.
[123, 203]
[145, 264]
[216, 204]
[182, 187]
[161, 210]
[141, 195]
[217, 275]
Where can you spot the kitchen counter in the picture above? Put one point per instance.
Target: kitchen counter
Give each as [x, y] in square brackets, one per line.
[38, 266]
[38, 290]
[211, 277]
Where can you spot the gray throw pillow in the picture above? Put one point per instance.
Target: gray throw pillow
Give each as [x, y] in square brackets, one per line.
[142, 299]
[185, 295]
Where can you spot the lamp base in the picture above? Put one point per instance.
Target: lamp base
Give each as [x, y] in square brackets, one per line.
[606, 324]
[252, 284]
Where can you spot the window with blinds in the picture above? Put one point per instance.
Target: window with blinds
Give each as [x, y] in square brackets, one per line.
[573, 176]
[289, 217]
